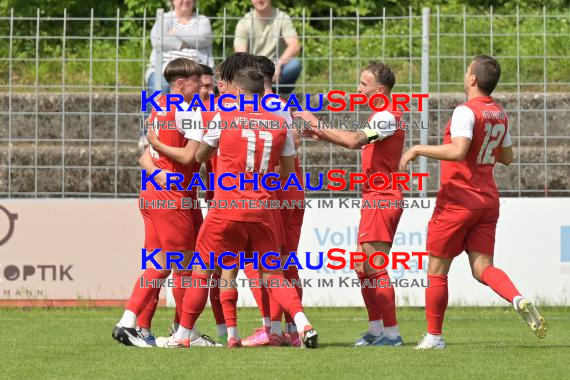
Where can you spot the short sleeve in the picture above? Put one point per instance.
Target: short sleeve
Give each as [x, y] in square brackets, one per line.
[195, 130]
[184, 118]
[462, 122]
[212, 138]
[287, 28]
[241, 35]
[507, 141]
[384, 123]
[289, 146]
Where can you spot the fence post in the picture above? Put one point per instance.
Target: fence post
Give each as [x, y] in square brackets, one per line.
[425, 89]
[159, 52]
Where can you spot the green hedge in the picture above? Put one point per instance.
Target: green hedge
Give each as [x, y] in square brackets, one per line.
[446, 71]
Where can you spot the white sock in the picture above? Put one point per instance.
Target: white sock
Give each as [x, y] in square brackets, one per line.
[182, 333]
[301, 321]
[222, 329]
[392, 332]
[233, 333]
[194, 333]
[276, 327]
[516, 301]
[146, 332]
[433, 337]
[375, 327]
[266, 322]
[291, 328]
[129, 319]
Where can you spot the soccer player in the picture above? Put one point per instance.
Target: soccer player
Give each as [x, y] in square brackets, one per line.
[291, 219]
[377, 226]
[207, 82]
[245, 150]
[467, 205]
[168, 229]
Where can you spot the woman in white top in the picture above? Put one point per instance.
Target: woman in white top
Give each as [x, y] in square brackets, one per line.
[184, 35]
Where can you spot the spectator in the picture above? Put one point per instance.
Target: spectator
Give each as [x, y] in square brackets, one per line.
[270, 32]
[207, 82]
[185, 35]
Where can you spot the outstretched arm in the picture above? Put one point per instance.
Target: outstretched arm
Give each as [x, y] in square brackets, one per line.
[348, 139]
[455, 151]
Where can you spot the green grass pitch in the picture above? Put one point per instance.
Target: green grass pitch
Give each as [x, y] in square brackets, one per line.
[483, 343]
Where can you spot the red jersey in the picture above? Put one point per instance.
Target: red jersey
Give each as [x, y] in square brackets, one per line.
[173, 137]
[469, 184]
[384, 155]
[247, 149]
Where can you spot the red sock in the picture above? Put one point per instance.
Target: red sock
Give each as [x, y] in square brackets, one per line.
[292, 274]
[144, 319]
[369, 296]
[215, 301]
[195, 300]
[275, 309]
[501, 284]
[141, 295]
[286, 296]
[436, 303]
[228, 299]
[385, 298]
[259, 293]
[178, 292]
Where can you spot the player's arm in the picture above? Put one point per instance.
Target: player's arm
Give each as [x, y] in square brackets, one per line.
[348, 139]
[287, 158]
[506, 154]
[210, 141]
[455, 151]
[146, 162]
[461, 130]
[184, 155]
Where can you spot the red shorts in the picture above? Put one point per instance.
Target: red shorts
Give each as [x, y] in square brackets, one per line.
[452, 231]
[198, 219]
[293, 221]
[378, 224]
[279, 227]
[169, 229]
[220, 235]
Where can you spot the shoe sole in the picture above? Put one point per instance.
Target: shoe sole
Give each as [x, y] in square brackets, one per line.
[311, 339]
[533, 319]
[121, 336]
[439, 347]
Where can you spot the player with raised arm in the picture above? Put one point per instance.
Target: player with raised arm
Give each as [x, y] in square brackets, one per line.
[467, 205]
[377, 226]
[251, 148]
[168, 229]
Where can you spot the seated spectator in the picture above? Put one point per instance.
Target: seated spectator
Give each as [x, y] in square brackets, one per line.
[270, 32]
[184, 35]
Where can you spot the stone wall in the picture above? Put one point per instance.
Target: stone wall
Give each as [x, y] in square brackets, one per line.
[113, 130]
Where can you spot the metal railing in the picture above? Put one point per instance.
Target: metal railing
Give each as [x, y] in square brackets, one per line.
[69, 119]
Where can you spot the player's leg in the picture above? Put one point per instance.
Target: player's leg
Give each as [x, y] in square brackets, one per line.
[480, 243]
[228, 299]
[376, 233]
[144, 320]
[263, 240]
[260, 336]
[217, 309]
[445, 240]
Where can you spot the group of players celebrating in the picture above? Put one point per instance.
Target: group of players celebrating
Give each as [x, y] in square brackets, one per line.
[465, 217]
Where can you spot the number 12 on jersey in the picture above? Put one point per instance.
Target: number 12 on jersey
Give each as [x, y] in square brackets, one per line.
[496, 133]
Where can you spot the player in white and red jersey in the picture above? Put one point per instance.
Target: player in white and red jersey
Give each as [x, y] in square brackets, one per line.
[247, 150]
[226, 72]
[467, 205]
[377, 226]
[168, 229]
[289, 222]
